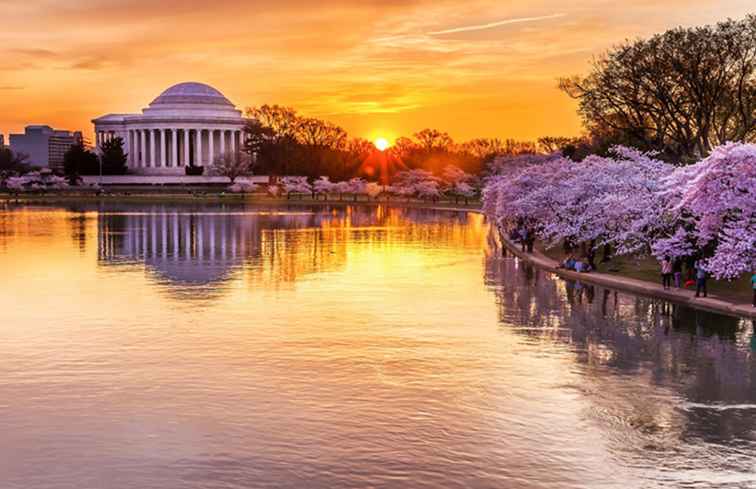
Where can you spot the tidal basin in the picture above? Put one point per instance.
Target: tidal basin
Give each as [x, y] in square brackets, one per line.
[211, 346]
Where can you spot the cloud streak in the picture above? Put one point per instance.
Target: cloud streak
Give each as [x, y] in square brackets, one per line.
[492, 25]
[485, 68]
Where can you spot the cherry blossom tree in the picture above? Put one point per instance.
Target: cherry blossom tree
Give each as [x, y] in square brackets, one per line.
[242, 187]
[341, 188]
[635, 203]
[232, 165]
[416, 183]
[458, 183]
[295, 185]
[373, 190]
[463, 190]
[356, 187]
[323, 186]
[715, 218]
[35, 181]
[428, 189]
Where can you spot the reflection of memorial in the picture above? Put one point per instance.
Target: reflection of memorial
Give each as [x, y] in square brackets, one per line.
[183, 248]
[201, 246]
[192, 246]
[659, 345]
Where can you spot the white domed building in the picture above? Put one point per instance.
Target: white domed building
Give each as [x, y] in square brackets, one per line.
[189, 124]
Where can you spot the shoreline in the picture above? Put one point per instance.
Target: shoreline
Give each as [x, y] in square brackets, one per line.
[221, 198]
[641, 287]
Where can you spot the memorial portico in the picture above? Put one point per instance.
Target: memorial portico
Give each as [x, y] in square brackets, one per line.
[189, 124]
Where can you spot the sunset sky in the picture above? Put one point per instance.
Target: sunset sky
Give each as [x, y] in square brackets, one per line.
[376, 67]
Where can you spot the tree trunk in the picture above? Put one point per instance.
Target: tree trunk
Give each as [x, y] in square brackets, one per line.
[607, 253]
[591, 254]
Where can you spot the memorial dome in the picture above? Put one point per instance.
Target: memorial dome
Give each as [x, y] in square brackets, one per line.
[192, 93]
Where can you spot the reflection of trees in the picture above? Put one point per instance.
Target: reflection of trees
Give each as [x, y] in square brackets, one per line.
[6, 226]
[701, 357]
[78, 222]
[18, 220]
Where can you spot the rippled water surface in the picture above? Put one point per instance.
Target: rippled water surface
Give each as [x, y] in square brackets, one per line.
[156, 346]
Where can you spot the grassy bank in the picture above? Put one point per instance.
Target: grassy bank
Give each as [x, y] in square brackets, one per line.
[648, 269]
[180, 195]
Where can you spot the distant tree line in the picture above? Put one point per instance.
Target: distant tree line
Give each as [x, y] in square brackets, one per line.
[282, 142]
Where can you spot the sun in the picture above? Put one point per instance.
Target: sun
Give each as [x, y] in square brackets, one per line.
[381, 144]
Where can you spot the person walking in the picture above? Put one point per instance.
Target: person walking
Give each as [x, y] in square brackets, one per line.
[531, 240]
[666, 272]
[700, 279]
[524, 239]
[677, 271]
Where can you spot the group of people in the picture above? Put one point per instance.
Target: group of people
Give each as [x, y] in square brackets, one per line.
[525, 236]
[579, 265]
[673, 270]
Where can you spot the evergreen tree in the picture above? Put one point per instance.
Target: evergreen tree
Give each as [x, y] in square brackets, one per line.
[78, 161]
[113, 158]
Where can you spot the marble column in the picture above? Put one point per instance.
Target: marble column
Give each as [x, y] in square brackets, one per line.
[134, 148]
[143, 148]
[198, 145]
[152, 148]
[132, 143]
[222, 141]
[210, 134]
[174, 142]
[163, 163]
[186, 148]
[134, 154]
[126, 142]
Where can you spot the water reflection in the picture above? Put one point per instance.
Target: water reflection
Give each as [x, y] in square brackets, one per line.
[236, 346]
[202, 246]
[702, 361]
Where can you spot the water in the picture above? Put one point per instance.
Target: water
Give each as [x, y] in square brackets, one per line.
[151, 346]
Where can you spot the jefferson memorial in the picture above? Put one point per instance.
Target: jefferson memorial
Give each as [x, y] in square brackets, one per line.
[189, 124]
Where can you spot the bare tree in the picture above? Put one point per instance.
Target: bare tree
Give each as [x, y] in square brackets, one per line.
[434, 140]
[682, 92]
[485, 148]
[322, 134]
[233, 165]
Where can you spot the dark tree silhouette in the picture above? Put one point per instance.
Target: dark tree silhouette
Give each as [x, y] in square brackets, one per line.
[12, 164]
[114, 160]
[78, 161]
[282, 142]
[682, 92]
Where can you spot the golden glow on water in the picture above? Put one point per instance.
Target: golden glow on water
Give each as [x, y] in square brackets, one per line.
[159, 346]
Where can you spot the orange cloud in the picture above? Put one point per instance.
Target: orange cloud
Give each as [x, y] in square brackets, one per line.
[482, 68]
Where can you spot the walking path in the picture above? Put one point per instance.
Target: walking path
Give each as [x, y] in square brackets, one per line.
[642, 287]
